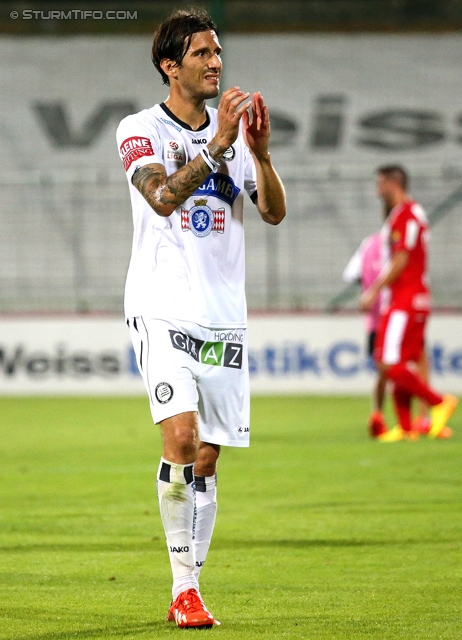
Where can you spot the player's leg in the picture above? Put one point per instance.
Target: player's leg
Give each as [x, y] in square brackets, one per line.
[223, 387]
[402, 401]
[401, 342]
[379, 392]
[175, 490]
[173, 399]
[389, 355]
[205, 478]
[422, 422]
[177, 501]
[376, 423]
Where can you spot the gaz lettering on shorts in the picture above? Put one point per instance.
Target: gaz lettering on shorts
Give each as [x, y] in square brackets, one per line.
[219, 354]
[181, 341]
[164, 392]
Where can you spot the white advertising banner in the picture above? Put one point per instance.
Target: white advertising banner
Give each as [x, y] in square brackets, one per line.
[287, 354]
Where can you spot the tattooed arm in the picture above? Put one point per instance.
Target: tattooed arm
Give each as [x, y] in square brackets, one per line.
[165, 193]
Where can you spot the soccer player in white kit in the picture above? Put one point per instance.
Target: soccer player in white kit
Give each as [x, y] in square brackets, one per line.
[187, 167]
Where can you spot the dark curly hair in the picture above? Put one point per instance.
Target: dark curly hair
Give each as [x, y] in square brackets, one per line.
[173, 36]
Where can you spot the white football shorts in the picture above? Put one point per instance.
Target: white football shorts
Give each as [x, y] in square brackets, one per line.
[186, 367]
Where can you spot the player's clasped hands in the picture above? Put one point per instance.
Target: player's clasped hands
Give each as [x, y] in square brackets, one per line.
[257, 131]
[233, 104]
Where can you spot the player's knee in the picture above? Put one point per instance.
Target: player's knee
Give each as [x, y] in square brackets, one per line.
[186, 441]
[206, 463]
[181, 443]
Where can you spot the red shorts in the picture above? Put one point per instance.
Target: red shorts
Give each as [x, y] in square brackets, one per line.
[400, 336]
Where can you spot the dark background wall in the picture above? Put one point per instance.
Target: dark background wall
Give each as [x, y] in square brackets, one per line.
[238, 15]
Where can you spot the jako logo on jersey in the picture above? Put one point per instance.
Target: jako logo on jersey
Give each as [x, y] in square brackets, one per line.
[201, 220]
[174, 151]
[199, 140]
[164, 392]
[219, 185]
[134, 148]
[179, 549]
[218, 354]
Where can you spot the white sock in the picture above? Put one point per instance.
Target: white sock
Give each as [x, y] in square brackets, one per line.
[206, 511]
[175, 490]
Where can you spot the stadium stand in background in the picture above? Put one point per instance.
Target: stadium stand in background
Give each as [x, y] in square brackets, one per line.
[66, 230]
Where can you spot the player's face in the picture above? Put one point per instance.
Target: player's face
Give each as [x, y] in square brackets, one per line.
[200, 71]
[386, 190]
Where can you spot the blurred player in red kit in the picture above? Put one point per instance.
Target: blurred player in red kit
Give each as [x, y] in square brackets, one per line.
[405, 306]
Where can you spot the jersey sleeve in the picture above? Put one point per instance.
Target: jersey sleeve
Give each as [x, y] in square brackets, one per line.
[404, 232]
[353, 270]
[138, 145]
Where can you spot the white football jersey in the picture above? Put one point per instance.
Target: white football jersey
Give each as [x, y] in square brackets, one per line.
[190, 265]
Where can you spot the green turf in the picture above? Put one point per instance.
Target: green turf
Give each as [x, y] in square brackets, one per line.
[321, 533]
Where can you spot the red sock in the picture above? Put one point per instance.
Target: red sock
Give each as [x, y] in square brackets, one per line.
[407, 380]
[402, 402]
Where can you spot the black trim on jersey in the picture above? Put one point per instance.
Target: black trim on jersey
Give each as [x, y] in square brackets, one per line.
[254, 197]
[141, 356]
[143, 348]
[185, 125]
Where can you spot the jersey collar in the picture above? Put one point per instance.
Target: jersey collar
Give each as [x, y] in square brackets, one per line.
[185, 125]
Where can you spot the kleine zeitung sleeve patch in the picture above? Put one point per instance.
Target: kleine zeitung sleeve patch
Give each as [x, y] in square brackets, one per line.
[134, 148]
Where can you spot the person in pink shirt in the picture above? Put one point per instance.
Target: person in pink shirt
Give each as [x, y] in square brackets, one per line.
[364, 267]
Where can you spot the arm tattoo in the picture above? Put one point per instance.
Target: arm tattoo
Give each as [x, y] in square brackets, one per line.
[215, 150]
[164, 193]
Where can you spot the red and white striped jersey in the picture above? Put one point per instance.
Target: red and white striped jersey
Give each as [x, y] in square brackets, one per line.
[408, 230]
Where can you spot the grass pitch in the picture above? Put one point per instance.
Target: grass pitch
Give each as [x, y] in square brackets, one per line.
[321, 533]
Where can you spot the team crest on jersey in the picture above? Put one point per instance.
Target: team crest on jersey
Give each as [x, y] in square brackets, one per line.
[164, 392]
[202, 220]
[229, 154]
